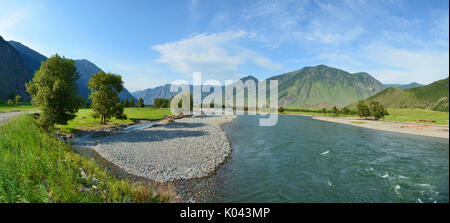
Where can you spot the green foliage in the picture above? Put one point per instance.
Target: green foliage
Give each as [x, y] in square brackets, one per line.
[53, 89]
[281, 109]
[141, 103]
[132, 102]
[161, 103]
[126, 103]
[363, 109]
[37, 167]
[105, 88]
[373, 109]
[18, 99]
[11, 102]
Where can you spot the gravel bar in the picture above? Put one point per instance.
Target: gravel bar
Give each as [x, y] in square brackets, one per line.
[188, 148]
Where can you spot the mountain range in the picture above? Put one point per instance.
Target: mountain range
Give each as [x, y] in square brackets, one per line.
[18, 64]
[311, 87]
[404, 86]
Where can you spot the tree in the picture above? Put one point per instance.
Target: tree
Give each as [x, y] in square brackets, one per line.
[126, 103]
[363, 109]
[18, 99]
[336, 111]
[132, 102]
[377, 109]
[54, 90]
[105, 88]
[141, 103]
[281, 109]
[10, 102]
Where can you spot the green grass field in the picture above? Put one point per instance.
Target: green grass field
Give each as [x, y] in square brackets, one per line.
[37, 167]
[24, 106]
[395, 114]
[85, 121]
[416, 114]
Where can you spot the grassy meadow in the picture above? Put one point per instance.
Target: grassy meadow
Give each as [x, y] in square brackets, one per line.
[24, 106]
[37, 167]
[417, 114]
[85, 121]
[395, 114]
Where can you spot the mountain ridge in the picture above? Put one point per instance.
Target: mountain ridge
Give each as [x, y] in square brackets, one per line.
[86, 68]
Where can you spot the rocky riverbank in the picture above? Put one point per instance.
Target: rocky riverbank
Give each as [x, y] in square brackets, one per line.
[187, 148]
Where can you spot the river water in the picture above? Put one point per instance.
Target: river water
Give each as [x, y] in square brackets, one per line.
[306, 160]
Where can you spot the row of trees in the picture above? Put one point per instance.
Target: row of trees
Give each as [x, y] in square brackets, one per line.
[54, 90]
[13, 100]
[131, 103]
[165, 103]
[372, 109]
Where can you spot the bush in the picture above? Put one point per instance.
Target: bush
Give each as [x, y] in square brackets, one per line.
[11, 102]
[18, 99]
[281, 109]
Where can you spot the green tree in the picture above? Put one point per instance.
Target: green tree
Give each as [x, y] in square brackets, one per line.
[141, 103]
[53, 89]
[18, 99]
[10, 102]
[363, 109]
[377, 109]
[132, 102]
[336, 111]
[126, 103]
[105, 88]
[281, 109]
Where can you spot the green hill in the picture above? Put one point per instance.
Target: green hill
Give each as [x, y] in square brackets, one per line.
[322, 86]
[433, 96]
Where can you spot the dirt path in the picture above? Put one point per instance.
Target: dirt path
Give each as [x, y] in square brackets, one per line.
[5, 116]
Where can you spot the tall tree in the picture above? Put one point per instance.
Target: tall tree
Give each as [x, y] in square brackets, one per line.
[53, 89]
[141, 103]
[105, 88]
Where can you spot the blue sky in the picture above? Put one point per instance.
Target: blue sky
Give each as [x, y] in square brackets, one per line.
[151, 43]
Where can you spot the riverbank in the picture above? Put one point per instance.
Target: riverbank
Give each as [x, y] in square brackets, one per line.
[439, 131]
[187, 148]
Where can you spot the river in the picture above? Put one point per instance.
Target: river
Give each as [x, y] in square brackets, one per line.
[306, 160]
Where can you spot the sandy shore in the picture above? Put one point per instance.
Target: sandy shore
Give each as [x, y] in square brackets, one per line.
[440, 131]
[185, 149]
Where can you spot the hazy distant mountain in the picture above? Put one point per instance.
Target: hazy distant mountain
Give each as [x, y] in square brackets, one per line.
[433, 96]
[404, 86]
[150, 94]
[14, 72]
[86, 69]
[322, 86]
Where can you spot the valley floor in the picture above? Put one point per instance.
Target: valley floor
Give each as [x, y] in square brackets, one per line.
[440, 131]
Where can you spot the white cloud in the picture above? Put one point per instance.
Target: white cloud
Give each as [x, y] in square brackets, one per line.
[216, 55]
